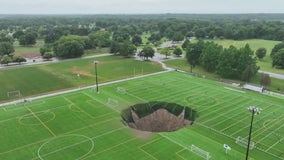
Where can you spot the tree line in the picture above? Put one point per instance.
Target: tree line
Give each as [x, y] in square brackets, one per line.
[69, 36]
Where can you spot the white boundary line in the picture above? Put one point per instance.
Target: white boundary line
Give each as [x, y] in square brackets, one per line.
[66, 147]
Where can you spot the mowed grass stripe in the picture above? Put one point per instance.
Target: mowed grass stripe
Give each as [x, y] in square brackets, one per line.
[94, 122]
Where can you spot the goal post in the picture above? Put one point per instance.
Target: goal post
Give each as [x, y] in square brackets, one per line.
[121, 90]
[200, 152]
[244, 142]
[14, 94]
[112, 102]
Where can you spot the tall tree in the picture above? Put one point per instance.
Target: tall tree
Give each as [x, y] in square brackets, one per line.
[278, 59]
[177, 51]
[101, 38]
[185, 44]
[265, 80]
[114, 47]
[147, 52]
[136, 40]
[260, 53]
[248, 73]
[69, 47]
[239, 64]
[18, 34]
[29, 38]
[193, 53]
[6, 48]
[246, 61]
[210, 56]
[127, 49]
[166, 52]
[227, 63]
[6, 38]
[276, 48]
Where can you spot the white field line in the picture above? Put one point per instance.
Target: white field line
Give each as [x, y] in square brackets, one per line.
[247, 126]
[275, 122]
[26, 114]
[232, 117]
[275, 144]
[224, 113]
[30, 104]
[232, 124]
[217, 131]
[175, 142]
[216, 111]
[270, 133]
[236, 90]
[66, 147]
[101, 102]
[79, 89]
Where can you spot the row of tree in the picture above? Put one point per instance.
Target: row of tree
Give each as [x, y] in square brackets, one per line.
[173, 27]
[228, 63]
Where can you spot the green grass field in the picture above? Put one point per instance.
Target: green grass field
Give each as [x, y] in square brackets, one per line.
[38, 79]
[85, 125]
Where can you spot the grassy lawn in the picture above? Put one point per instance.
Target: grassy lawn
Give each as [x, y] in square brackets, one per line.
[266, 63]
[97, 51]
[182, 64]
[83, 125]
[31, 80]
[28, 51]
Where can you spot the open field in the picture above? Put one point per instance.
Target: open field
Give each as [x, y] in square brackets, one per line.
[84, 125]
[28, 51]
[38, 79]
[266, 63]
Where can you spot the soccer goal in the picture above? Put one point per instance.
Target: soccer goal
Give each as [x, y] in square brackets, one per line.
[200, 152]
[244, 142]
[14, 94]
[121, 90]
[112, 102]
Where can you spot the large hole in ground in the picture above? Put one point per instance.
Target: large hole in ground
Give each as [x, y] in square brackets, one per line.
[158, 116]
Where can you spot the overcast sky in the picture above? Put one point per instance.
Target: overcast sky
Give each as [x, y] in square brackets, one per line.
[139, 6]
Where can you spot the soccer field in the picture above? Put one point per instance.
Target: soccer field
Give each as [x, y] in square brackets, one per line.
[87, 125]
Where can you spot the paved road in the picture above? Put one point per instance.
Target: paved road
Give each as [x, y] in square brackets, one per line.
[274, 75]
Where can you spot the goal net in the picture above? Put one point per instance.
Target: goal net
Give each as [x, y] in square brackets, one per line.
[244, 142]
[121, 90]
[112, 102]
[200, 152]
[14, 94]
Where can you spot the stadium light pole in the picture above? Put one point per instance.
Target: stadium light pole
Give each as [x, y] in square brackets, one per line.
[97, 86]
[254, 111]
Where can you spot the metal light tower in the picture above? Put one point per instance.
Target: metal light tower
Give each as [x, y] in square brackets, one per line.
[97, 86]
[254, 111]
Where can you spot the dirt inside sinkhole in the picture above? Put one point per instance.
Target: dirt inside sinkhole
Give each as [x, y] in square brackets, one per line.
[159, 118]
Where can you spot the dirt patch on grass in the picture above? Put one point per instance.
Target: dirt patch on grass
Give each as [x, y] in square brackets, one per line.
[77, 71]
[30, 55]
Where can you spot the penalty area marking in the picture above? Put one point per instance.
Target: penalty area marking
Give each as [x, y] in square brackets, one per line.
[87, 139]
[27, 116]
